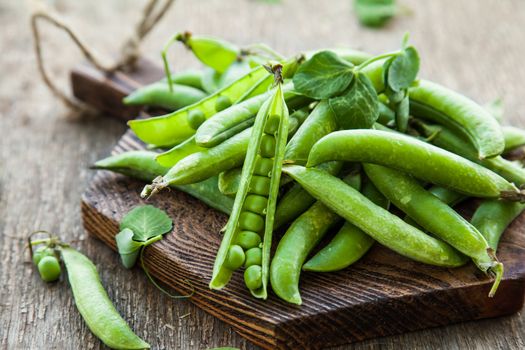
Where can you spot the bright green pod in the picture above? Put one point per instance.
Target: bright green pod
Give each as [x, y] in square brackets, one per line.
[173, 128]
[438, 218]
[435, 102]
[384, 227]
[160, 95]
[94, 304]
[447, 139]
[256, 277]
[492, 217]
[189, 77]
[178, 152]
[415, 157]
[142, 165]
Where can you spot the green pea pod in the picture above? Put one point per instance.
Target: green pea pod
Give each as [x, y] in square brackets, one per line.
[415, 157]
[175, 154]
[173, 128]
[236, 70]
[159, 95]
[229, 181]
[213, 52]
[319, 123]
[296, 200]
[297, 243]
[271, 120]
[384, 227]
[94, 305]
[210, 80]
[432, 101]
[142, 165]
[492, 218]
[349, 244]
[436, 217]
[446, 139]
[514, 138]
[189, 77]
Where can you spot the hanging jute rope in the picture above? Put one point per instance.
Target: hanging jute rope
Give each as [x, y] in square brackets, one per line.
[130, 51]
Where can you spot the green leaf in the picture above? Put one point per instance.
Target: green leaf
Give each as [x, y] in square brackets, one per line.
[402, 70]
[358, 107]
[146, 222]
[324, 75]
[374, 13]
[128, 249]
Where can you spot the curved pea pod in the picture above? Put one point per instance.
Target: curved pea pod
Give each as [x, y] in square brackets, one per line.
[319, 123]
[174, 128]
[210, 80]
[160, 95]
[229, 181]
[384, 227]
[296, 244]
[514, 138]
[255, 202]
[447, 139]
[349, 243]
[438, 218]
[94, 305]
[432, 101]
[415, 157]
[492, 217]
[213, 52]
[142, 165]
[189, 77]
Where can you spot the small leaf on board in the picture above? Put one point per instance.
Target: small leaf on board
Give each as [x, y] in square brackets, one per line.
[323, 76]
[358, 107]
[146, 222]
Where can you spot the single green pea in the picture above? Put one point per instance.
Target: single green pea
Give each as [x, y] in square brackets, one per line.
[222, 103]
[253, 257]
[260, 185]
[253, 277]
[40, 252]
[272, 124]
[256, 203]
[263, 166]
[49, 268]
[251, 221]
[267, 146]
[195, 118]
[248, 239]
[235, 257]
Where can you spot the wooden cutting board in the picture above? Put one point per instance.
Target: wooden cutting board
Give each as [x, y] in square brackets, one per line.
[383, 294]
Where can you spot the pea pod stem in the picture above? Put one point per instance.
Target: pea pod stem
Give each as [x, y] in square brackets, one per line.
[422, 160]
[375, 221]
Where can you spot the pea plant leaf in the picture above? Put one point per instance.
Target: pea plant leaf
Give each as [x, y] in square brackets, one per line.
[401, 70]
[146, 222]
[324, 75]
[357, 108]
[375, 13]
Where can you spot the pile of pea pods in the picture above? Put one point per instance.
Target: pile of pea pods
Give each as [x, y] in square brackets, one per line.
[318, 148]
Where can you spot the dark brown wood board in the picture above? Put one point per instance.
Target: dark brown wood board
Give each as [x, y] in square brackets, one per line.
[380, 295]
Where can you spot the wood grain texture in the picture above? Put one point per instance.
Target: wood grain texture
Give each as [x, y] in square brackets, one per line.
[470, 45]
[382, 294]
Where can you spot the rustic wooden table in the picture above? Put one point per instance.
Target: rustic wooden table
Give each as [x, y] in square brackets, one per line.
[474, 46]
